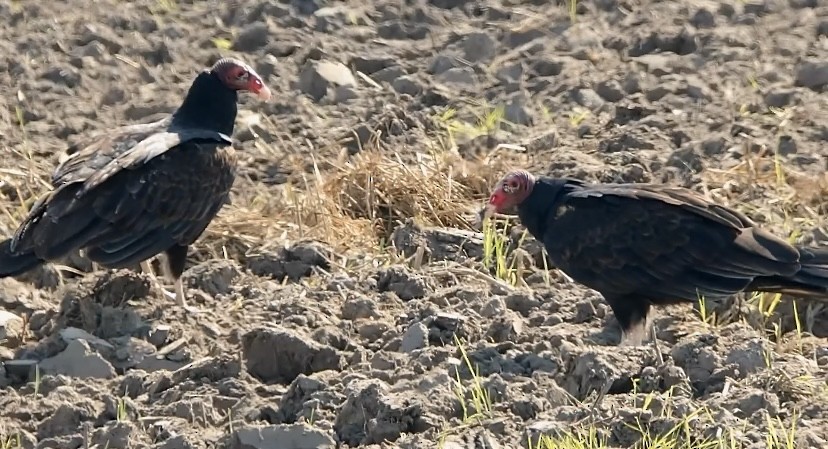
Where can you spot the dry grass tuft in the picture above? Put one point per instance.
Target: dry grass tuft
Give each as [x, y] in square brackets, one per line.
[438, 190]
[356, 204]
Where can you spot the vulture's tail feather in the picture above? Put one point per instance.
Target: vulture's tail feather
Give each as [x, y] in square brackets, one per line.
[15, 264]
[811, 281]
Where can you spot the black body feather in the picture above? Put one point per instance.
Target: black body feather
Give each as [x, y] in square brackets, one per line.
[136, 191]
[642, 245]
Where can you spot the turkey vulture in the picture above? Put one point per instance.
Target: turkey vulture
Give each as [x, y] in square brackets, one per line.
[134, 192]
[643, 245]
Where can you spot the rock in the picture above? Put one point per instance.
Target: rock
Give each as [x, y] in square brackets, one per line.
[113, 435]
[787, 145]
[213, 277]
[252, 37]
[389, 74]
[65, 420]
[285, 436]
[159, 335]
[343, 94]
[293, 263]
[78, 360]
[587, 98]
[102, 34]
[66, 76]
[403, 282]
[458, 75]
[812, 74]
[71, 334]
[508, 327]
[210, 368]
[277, 354]
[444, 326]
[371, 416]
[370, 65]
[11, 326]
[746, 403]
[401, 30]
[441, 64]
[703, 18]
[518, 37]
[587, 370]
[511, 73]
[294, 403]
[414, 338]
[407, 85]
[517, 111]
[175, 442]
[686, 159]
[748, 356]
[610, 90]
[23, 370]
[478, 47]
[822, 28]
[317, 77]
[779, 98]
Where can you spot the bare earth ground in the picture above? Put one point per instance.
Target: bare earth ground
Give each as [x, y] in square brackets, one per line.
[329, 319]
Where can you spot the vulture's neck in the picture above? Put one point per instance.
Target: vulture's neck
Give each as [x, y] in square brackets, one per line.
[208, 105]
[536, 211]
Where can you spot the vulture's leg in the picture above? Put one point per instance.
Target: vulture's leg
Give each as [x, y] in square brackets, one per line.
[631, 313]
[146, 267]
[174, 268]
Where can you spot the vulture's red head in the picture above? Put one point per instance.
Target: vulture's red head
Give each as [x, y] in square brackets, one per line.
[509, 192]
[237, 75]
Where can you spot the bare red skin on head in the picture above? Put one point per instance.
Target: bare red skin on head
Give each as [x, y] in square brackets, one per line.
[237, 75]
[510, 191]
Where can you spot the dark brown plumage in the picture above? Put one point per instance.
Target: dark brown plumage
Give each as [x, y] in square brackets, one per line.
[641, 245]
[140, 190]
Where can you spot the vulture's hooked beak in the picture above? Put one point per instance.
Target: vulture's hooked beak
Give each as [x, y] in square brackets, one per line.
[263, 93]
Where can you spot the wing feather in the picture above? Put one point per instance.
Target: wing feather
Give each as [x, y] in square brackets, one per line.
[653, 241]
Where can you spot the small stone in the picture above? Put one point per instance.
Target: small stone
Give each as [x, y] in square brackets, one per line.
[67, 76]
[516, 110]
[158, 336]
[114, 435]
[414, 338]
[779, 98]
[344, 94]
[389, 74]
[280, 354]
[372, 330]
[458, 75]
[317, 76]
[519, 37]
[703, 18]
[511, 73]
[478, 47]
[787, 145]
[508, 328]
[78, 360]
[370, 65]
[407, 85]
[587, 98]
[813, 75]
[686, 159]
[11, 326]
[822, 28]
[22, 370]
[252, 37]
[284, 436]
[610, 90]
[440, 64]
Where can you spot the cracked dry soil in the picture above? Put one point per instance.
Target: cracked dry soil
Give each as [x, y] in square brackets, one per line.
[688, 92]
